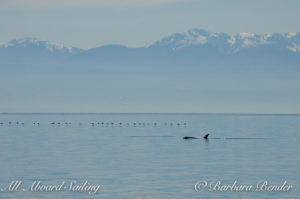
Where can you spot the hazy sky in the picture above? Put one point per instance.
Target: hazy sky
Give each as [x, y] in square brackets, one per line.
[91, 23]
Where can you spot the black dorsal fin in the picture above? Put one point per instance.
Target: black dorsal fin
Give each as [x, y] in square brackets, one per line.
[206, 136]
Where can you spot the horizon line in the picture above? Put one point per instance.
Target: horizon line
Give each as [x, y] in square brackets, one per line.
[139, 113]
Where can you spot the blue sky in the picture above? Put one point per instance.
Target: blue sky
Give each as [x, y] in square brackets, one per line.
[91, 23]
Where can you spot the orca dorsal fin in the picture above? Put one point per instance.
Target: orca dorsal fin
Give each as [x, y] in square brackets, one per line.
[206, 136]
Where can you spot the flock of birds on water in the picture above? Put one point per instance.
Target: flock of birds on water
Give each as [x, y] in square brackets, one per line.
[107, 124]
[98, 124]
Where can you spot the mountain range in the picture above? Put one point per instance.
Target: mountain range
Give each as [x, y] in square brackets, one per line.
[194, 71]
[194, 46]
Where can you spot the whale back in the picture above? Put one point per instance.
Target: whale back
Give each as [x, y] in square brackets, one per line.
[187, 137]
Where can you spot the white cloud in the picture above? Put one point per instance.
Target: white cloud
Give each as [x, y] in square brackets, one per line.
[45, 4]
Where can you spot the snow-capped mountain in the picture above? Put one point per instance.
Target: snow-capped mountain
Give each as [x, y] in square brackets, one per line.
[229, 43]
[34, 43]
[194, 46]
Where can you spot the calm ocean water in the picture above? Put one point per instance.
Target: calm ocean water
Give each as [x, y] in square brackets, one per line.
[144, 155]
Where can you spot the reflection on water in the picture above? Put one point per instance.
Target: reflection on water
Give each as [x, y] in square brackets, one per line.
[144, 156]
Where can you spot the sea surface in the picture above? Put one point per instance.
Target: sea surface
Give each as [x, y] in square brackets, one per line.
[134, 156]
